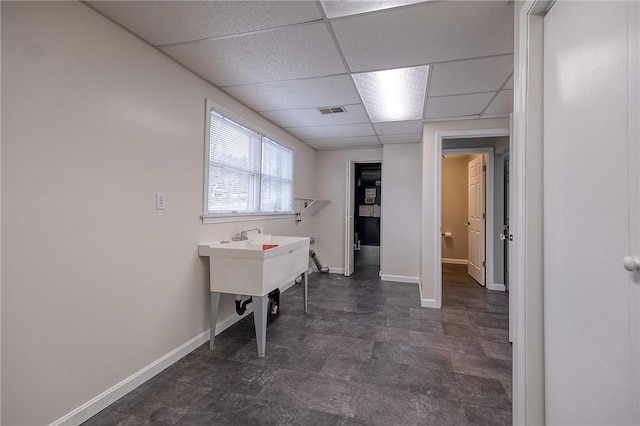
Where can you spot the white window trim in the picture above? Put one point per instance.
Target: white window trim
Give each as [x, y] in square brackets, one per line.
[226, 217]
[243, 217]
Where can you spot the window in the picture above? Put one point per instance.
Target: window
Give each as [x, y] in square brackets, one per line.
[247, 173]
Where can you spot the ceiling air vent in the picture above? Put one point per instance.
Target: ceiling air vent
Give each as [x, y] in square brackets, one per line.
[332, 110]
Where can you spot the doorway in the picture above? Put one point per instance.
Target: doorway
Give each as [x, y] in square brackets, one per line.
[463, 213]
[367, 208]
[471, 232]
[363, 216]
[471, 141]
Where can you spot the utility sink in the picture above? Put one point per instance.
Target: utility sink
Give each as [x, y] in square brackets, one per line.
[246, 268]
[255, 267]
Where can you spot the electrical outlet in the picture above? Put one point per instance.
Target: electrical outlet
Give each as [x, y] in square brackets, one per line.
[161, 201]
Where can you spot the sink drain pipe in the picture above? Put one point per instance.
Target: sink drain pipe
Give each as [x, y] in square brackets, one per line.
[241, 307]
[314, 257]
[274, 299]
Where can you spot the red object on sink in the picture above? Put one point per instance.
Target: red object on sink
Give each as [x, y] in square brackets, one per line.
[268, 246]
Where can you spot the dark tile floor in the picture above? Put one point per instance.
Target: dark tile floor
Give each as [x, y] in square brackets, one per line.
[366, 353]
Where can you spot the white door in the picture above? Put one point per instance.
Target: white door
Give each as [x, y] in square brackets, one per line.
[476, 223]
[349, 212]
[591, 218]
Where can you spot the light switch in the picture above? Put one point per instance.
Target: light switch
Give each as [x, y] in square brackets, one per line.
[161, 201]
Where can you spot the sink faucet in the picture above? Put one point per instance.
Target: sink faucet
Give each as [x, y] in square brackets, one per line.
[243, 234]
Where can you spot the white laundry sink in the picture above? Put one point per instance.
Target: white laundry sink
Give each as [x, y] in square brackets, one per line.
[244, 267]
[250, 268]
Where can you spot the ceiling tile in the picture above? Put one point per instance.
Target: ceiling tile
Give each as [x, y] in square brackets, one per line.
[398, 127]
[425, 33]
[326, 132]
[457, 106]
[165, 22]
[312, 117]
[472, 76]
[502, 104]
[413, 138]
[309, 93]
[336, 8]
[343, 143]
[284, 54]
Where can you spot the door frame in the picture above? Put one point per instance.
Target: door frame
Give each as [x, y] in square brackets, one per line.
[489, 195]
[525, 257]
[437, 258]
[349, 223]
[350, 212]
[526, 165]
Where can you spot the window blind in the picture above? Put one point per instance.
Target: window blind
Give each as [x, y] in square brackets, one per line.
[248, 173]
[277, 177]
[234, 166]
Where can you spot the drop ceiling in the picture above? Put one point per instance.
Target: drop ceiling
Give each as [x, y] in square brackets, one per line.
[287, 59]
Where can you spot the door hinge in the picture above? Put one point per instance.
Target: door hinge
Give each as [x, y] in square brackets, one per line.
[484, 264]
[484, 215]
[484, 168]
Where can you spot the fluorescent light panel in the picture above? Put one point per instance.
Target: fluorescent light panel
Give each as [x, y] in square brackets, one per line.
[337, 8]
[393, 95]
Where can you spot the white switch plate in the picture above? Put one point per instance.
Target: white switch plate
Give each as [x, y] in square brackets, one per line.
[161, 200]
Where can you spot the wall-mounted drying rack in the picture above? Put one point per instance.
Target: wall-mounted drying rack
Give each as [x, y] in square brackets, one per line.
[309, 206]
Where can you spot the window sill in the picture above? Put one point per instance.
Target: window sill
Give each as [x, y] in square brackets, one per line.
[243, 217]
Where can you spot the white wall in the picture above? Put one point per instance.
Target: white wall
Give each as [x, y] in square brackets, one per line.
[401, 189]
[331, 169]
[401, 171]
[96, 283]
[431, 235]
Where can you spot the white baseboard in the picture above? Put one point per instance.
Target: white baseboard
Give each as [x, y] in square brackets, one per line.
[400, 278]
[108, 397]
[496, 287]
[427, 303]
[336, 271]
[455, 261]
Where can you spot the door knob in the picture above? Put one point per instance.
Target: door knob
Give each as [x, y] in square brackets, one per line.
[631, 264]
